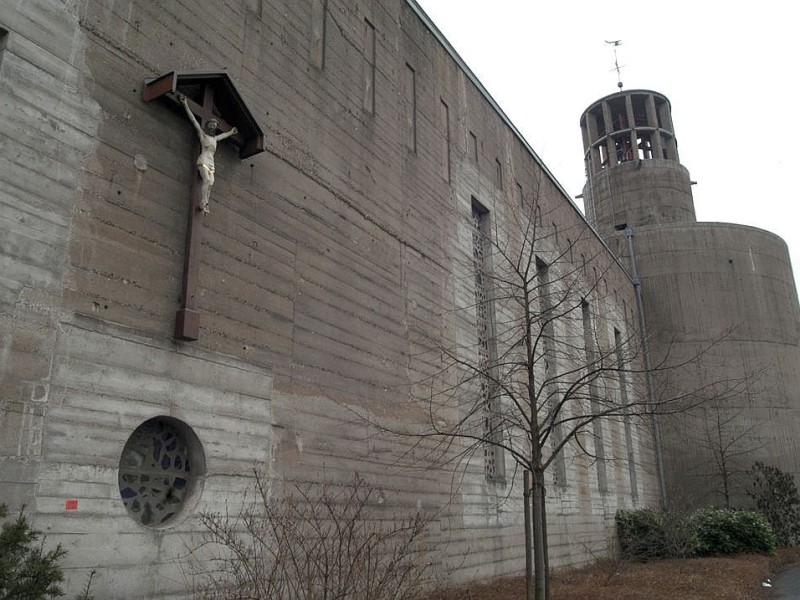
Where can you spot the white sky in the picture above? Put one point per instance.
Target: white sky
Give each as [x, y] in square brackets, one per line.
[729, 69]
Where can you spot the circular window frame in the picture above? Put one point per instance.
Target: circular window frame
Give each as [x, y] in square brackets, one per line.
[160, 485]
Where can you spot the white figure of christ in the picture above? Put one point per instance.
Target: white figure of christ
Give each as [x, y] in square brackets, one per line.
[208, 146]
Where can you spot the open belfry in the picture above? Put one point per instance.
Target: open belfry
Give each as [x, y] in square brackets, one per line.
[274, 244]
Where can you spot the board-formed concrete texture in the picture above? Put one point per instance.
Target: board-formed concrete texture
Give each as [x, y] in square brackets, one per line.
[723, 293]
[324, 266]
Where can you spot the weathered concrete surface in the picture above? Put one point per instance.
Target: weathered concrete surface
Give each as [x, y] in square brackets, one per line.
[646, 192]
[326, 263]
[725, 292]
[48, 122]
[720, 302]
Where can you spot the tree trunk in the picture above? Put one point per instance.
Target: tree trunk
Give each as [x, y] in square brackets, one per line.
[526, 494]
[539, 538]
[725, 489]
[544, 535]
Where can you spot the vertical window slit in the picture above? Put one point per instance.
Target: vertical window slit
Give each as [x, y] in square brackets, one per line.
[623, 398]
[3, 42]
[319, 10]
[487, 359]
[473, 147]
[369, 67]
[557, 411]
[444, 115]
[411, 108]
[595, 407]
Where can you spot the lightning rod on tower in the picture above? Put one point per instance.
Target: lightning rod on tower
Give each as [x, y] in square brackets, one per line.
[617, 68]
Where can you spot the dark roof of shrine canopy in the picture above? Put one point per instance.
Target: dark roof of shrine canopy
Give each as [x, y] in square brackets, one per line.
[228, 106]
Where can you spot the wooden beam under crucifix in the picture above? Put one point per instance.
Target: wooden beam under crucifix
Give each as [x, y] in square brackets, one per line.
[216, 110]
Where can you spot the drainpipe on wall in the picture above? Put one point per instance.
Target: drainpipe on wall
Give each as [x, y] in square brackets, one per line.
[637, 287]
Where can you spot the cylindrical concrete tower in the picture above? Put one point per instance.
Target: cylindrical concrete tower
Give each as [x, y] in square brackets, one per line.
[719, 300]
[634, 176]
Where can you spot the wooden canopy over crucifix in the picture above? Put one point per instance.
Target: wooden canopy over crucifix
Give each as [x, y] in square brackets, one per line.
[207, 97]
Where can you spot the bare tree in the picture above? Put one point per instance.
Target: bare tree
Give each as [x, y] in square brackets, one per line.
[542, 358]
[729, 447]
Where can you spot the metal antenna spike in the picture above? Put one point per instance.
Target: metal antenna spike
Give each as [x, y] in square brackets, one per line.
[617, 67]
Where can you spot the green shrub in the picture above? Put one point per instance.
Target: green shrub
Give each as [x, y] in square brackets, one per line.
[27, 571]
[776, 497]
[727, 531]
[647, 534]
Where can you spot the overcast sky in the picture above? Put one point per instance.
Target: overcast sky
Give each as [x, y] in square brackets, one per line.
[731, 75]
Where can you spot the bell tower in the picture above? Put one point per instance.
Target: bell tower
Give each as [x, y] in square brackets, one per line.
[634, 176]
[719, 295]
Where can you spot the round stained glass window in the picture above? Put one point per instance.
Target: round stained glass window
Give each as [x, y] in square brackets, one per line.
[161, 466]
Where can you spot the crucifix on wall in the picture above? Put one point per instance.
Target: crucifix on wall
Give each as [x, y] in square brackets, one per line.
[217, 112]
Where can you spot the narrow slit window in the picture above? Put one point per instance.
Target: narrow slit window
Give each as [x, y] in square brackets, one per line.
[369, 67]
[592, 368]
[624, 402]
[473, 146]
[3, 43]
[444, 117]
[554, 406]
[488, 404]
[411, 108]
[319, 10]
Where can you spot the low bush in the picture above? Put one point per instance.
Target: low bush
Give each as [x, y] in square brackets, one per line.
[646, 534]
[776, 497]
[726, 531]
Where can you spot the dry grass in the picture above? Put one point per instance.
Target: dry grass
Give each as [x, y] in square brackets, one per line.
[736, 578]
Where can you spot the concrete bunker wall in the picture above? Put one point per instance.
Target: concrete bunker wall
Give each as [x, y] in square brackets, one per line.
[640, 193]
[322, 261]
[726, 292]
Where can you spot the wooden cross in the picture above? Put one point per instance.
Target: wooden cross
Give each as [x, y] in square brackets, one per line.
[219, 100]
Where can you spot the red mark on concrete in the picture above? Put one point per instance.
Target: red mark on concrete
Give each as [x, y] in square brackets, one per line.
[71, 504]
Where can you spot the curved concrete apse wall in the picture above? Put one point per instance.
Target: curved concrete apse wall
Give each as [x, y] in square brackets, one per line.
[720, 297]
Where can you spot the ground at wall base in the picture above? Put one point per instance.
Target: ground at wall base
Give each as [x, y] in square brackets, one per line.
[720, 578]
